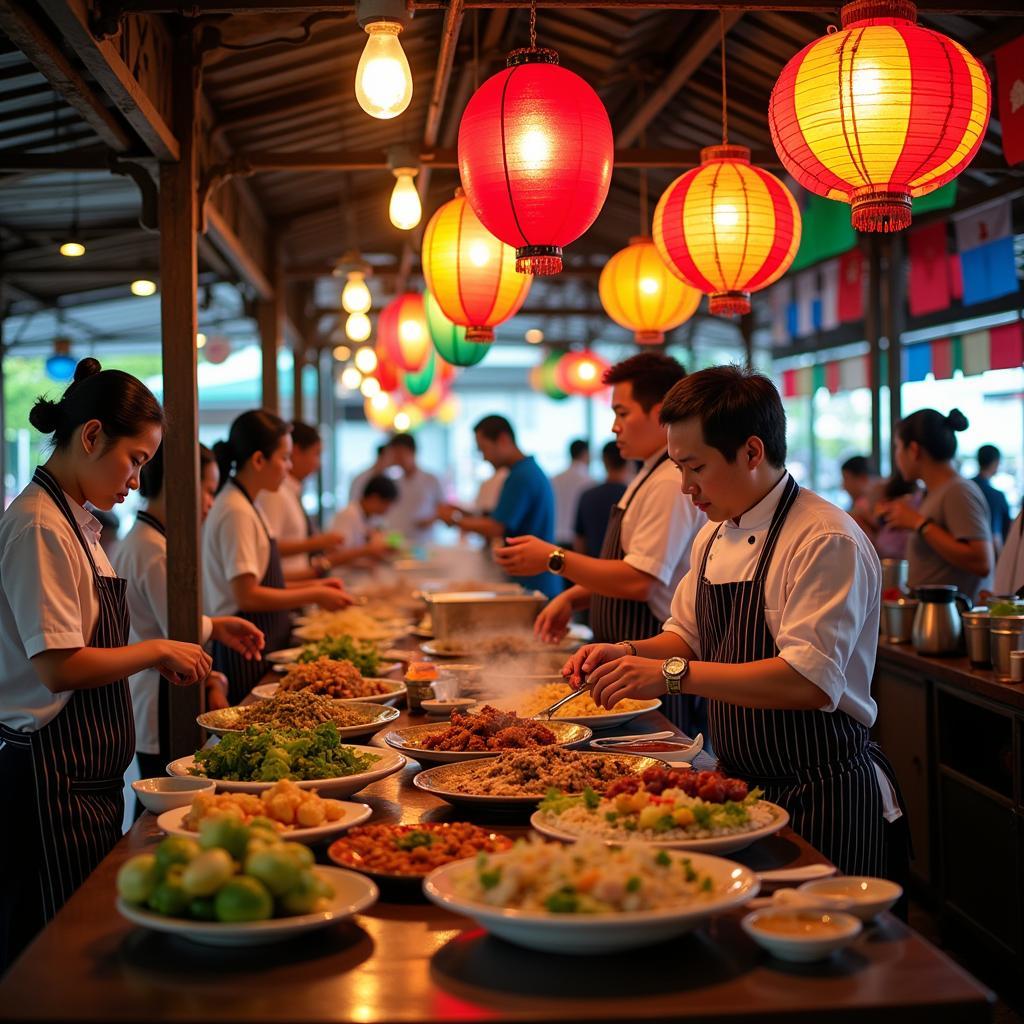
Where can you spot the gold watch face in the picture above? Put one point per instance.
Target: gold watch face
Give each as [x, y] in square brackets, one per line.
[673, 666]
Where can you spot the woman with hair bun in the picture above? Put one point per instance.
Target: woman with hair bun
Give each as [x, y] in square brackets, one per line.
[66, 729]
[242, 572]
[952, 537]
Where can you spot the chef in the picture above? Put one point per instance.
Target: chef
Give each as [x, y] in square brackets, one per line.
[776, 625]
[66, 732]
[650, 531]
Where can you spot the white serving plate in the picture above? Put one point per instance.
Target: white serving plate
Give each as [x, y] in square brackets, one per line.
[388, 762]
[396, 689]
[582, 934]
[173, 823]
[208, 721]
[285, 656]
[595, 722]
[353, 893]
[404, 741]
[388, 634]
[715, 844]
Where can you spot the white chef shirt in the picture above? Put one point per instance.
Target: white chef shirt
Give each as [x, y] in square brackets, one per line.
[234, 544]
[285, 517]
[352, 525]
[418, 498]
[1010, 565]
[658, 530]
[568, 486]
[822, 593]
[47, 599]
[141, 559]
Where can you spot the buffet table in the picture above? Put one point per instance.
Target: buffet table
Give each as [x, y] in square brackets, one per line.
[405, 960]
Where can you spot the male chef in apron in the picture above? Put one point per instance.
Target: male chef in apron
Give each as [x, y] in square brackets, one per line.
[650, 531]
[775, 624]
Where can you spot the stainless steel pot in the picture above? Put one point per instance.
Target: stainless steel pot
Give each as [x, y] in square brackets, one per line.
[898, 619]
[977, 633]
[458, 614]
[937, 628]
[894, 573]
[1007, 635]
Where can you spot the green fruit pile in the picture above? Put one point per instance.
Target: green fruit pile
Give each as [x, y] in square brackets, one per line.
[234, 873]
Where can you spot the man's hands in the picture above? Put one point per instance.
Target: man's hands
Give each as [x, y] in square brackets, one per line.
[553, 622]
[524, 556]
[238, 634]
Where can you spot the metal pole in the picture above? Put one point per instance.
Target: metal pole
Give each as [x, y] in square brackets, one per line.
[872, 328]
[893, 327]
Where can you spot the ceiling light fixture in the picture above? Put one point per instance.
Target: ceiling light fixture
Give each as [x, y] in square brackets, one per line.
[383, 78]
[405, 208]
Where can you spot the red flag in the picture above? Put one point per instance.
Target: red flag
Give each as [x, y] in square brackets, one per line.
[942, 358]
[851, 287]
[789, 384]
[956, 277]
[832, 377]
[929, 270]
[1010, 90]
[1006, 346]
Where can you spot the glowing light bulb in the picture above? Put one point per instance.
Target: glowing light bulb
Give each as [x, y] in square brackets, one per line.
[380, 401]
[535, 148]
[410, 331]
[725, 215]
[355, 296]
[341, 353]
[350, 378]
[357, 327]
[586, 372]
[72, 249]
[142, 287]
[383, 78]
[402, 421]
[370, 387]
[366, 360]
[405, 209]
[479, 255]
[534, 336]
[649, 285]
[200, 340]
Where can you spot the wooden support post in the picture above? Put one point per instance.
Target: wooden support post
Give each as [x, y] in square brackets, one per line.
[271, 324]
[298, 365]
[178, 317]
[873, 330]
[893, 326]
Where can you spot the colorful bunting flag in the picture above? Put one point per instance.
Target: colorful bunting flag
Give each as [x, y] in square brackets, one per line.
[985, 241]
[1006, 346]
[829, 295]
[851, 287]
[808, 304]
[929, 289]
[917, 362]
[946, 358]
[976, 354]
[826, 230]
[943, 198]
[832, 377]
[789, 384]
[1010, 93]
[854, 373]
[781, 298]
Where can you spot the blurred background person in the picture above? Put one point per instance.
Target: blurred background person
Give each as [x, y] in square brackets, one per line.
[989, 457]
[860, 483]
[596, 503]
[384, 461]
[414, 511]
[358, 525]
[568, 486]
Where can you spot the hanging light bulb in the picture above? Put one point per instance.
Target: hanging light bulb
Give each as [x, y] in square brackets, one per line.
[366, 360]
[355, 296]
[402, 421]
[350, 378]
[341, 353]
[383, 78]
[370, 387]
[534, 336]
[200, 340]
[142, 287]
[72, 248]
[357, 327]
[405, 209]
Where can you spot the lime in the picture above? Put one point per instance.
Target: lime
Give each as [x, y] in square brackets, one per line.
[205, 874]
[175, 850]
[243, 899]
[228, 833]
[137, 878]
[169, 897]
[276, 869]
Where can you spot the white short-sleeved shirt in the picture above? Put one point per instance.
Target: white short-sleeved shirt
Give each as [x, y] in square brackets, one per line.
[822, 593]
[1010, 567]
[285, 517]
[658, 529]
[568, 486]
[141, 559]
[47, 599]
[352, 525]
[235, 543]
[418, 498]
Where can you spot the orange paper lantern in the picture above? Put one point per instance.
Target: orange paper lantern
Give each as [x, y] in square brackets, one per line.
[727, 228]
[879, 112]
[470, 273]
[402, 332]
[581, 373]
[640, 293]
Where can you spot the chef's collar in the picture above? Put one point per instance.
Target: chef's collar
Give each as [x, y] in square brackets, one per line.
[649, 463]
[295, 485]
[760, 516]
[85, 519]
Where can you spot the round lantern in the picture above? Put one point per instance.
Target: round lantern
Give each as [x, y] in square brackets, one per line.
[419, 382]
[469, 272]
[386, 373]
[402, 332]
[641, 294]
[581, 373]
[535, 157]
[727, 228]
[380, 411]
[450, 339]
[542, 377]
[879, 112]
[430, 401]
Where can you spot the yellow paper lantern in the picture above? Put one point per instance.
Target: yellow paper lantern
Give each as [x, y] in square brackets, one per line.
[380, 410]
[640, 293]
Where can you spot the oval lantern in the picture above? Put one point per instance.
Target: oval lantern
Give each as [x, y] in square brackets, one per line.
[535, 157]
[581, 373]
[879, 112]
[402, 332]
[640, 293]
[385, 372]
[542, 377]
[470, 273]
[450, 339]
[418, 383]
[727, 228]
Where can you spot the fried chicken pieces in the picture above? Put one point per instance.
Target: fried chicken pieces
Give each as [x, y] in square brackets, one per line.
[490, 729]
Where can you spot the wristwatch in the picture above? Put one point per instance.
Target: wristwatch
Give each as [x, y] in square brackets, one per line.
[629, 644]
[925, 523]
[321, 565]
[674, 670]
[556, 561]
[457, 515]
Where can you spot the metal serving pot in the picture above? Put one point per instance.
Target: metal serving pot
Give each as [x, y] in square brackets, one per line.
[938, 629]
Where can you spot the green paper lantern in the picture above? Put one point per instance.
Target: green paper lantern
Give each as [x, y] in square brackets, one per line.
[544, 377]
[450, 339]
[418, 383]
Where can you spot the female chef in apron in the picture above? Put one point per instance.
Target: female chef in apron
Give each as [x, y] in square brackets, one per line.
[66, 731]
[241, 564]
[776, 625]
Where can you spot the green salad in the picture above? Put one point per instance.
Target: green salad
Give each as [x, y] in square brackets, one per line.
[258, 755]
[362, 653]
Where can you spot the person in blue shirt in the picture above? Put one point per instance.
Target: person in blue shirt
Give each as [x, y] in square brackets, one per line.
[527, 502]
[999, 509]
[596, 503]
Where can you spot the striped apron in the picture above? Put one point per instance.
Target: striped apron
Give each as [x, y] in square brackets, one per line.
[243, 675]
[617, 618]
[63, 784]
[819, 765]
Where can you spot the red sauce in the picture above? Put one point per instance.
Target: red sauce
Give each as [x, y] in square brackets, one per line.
[651, 747]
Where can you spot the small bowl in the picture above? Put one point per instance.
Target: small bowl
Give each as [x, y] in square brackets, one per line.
[436, 706]
[166, 793]
[862, 896]
[799, 948]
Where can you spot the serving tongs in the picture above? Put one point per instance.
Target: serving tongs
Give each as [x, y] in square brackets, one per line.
[548, 712]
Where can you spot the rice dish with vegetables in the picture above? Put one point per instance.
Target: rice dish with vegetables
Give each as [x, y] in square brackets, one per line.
[587, 878]
[352, 622]
[296, 709]
[663, 805]
[541, 697]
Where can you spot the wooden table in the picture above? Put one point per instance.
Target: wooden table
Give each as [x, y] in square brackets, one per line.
[406, 960]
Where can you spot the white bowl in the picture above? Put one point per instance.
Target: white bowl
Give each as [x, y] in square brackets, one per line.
[862, 896]
[802, 949]
[436, 706]
[166, 793]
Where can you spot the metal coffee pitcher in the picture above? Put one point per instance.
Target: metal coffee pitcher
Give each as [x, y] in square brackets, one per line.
[938, 629]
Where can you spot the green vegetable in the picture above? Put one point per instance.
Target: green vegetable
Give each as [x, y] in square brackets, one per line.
[611, 817]
[302, 855]
[664, 823]
[662, 859]
[268, 756]
[691, 875]
[225, 833]
[565, 901]
[706, 885]
[557, 802]
[629, 824]
[414, 839]
[207, 872]
[203, 908]
[489, 879]
[174, 850]
[243, 899]
[633, 883]
[277, 870]
[1006, 608]
[138, 878]
[169, 897]
[303, 898]
[361, 653]
[590, 799]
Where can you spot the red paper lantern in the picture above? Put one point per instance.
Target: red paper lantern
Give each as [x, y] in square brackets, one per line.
[581, 373]
[386, 372]
[402, 332]
[880, 112]
[535, 157]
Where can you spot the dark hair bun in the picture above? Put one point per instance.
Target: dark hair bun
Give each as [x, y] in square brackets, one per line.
[957, 420]
[44, 415]
[86, 368]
